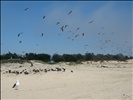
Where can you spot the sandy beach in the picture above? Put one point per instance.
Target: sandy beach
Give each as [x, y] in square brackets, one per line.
[110, 80]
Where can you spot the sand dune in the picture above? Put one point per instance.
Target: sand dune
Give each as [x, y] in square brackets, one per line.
[89, 80]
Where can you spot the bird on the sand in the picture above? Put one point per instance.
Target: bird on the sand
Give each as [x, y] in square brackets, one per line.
[16, 85]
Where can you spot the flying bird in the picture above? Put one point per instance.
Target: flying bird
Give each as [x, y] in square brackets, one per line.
[66, 26]
[83, 34]
[20, 41]
[42, 34]
[62, 28]
[102, 27]
[91, 21]
[86, 45]
[78, 28]
[57, 23]
[20, 34]
[16, 85]
[26, 9]
[69, 12]
[44, 17]
[76, 35]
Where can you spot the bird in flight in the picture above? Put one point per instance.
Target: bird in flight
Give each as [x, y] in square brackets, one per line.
[42, 34]
[44, 17]
[16, 85]
[62, 28]
[57, 23]
[66, 26]
[76, 35]
[83, 34]
[102, 27]
[91, 21]
[69, 12]
[20, 41]
[78, 28]
[20, 34]
[26, 9]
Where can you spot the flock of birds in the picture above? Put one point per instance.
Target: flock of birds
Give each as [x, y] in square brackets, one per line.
[103, 44]
[35, 71]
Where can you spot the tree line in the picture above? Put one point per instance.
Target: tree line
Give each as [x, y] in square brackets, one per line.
[65, 57]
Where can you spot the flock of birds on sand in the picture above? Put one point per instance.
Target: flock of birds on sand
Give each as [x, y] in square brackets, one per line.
[37, 70]
[103, 44]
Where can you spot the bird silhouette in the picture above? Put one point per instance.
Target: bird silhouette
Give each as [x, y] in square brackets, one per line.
[62, 28]
[83, 34]
[86, 45]
[91, 21]
[102, 27]
[66, 26]
[42, 34]
[20, 34]
[44, 17]
[78, 28]
[20, 41]
[69, 12]
[57, 23]
[76, 35]
[26, 9]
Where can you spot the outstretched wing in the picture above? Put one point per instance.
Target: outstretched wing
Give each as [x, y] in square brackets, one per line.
[14, 85]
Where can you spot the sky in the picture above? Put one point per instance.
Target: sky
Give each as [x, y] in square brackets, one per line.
[99, 27]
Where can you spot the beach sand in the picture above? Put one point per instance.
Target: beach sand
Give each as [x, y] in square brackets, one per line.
[110, 80]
